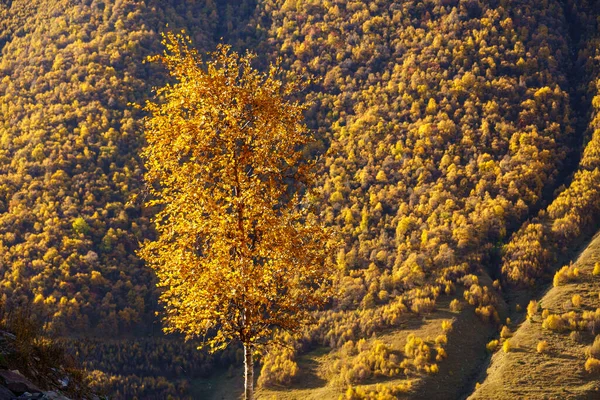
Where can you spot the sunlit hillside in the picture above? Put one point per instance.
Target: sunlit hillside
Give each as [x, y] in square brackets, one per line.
[457, 159]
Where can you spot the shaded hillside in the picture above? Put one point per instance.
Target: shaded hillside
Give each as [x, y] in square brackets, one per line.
[34, 365]
[530, 255]
[553, 354]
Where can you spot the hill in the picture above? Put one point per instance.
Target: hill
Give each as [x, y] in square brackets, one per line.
[558, 370]
[448, 131]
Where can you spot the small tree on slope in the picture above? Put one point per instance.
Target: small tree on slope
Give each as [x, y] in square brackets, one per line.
[240, 252]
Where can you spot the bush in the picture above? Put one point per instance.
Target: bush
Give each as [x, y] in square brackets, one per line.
[507, 346]
[592, 366]
[505, 333]
[542, 346]
[565, 274]
[441, 353]
[596, 269]
[554, 323]
[432, 369]
[593, 351]
[576, 300]
[422, 305]
[279, 368]
[492, 346]
[447, 325]
[418, 354]
[532, 309]
[456, 305]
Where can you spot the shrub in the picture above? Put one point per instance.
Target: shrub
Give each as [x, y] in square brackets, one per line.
[565, 274]
[593, 351]
[441, 353]
[492, 346]
[576, 300]
[279, 368]
[507, 346]
[488, 313]
[422, 305]
[532, 309]
[418, 354]
[441, 340]
[554, 323]
[432, 369]
[592, 366]
[447, 325]
[372, 359]
[596, 269]
[542, 346]
[505, 333]
[456, 305]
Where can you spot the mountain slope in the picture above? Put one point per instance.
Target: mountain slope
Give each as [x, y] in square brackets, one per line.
[442, 126]
[69, 165]
[443, 136]
[557, 372]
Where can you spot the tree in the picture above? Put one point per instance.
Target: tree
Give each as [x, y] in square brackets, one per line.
[240, 251]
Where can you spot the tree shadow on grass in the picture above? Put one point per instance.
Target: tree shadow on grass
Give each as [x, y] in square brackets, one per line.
[308, 376]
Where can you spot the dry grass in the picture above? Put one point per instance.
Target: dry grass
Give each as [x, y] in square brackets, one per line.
[462, 336]
[548, 364]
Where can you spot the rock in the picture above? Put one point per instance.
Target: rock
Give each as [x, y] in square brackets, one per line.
[64, 382]
[17, 383]
[6, 394]
[7, 335]
[30, 396]
[54, 396]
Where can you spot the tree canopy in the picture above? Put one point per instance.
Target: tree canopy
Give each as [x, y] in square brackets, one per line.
[240, 252]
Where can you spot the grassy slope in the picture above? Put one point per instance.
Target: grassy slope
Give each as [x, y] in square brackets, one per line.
[466, 353]
[558, 373]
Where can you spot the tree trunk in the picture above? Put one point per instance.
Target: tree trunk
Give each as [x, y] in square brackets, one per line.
[248, 372]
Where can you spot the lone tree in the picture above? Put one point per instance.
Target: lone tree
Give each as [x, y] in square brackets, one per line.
[240, 252]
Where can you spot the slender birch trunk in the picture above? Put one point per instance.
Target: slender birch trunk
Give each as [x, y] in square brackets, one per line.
[248, 372]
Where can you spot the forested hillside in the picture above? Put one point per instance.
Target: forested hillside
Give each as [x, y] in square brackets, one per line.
[448, 131]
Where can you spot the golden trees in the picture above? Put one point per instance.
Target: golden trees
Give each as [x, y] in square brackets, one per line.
[239, 251]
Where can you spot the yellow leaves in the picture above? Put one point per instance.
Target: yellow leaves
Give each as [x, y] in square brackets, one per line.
[234, 249]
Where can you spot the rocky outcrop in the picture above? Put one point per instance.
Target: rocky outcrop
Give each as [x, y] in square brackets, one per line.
[15, 385]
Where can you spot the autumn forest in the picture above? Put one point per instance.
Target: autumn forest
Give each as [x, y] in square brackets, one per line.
[439, 160]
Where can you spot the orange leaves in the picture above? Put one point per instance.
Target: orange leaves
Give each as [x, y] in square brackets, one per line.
[239, 251]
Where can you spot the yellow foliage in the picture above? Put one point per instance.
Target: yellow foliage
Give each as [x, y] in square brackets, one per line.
[492, 346]
[542, 346]
[532, 309]
[507, 346]
[592, 365]
[447, 325]
[239, 251]
[455, 305]
[566, 274]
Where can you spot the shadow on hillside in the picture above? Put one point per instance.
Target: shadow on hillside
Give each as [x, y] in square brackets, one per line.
[309, 378]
